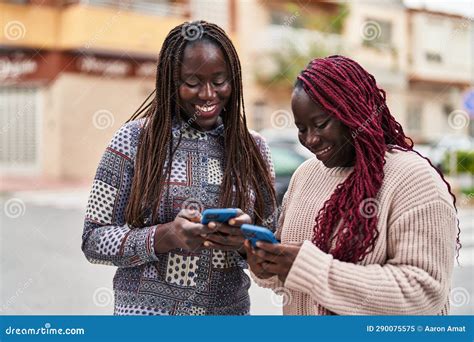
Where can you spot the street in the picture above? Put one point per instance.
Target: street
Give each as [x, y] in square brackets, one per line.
[45, 273]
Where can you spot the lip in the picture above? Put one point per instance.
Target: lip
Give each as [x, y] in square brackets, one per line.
[208, 114]
[323, 153]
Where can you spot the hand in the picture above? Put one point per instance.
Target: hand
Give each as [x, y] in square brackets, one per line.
[227, 236]
[255, 263]
[277, 258]
[183, 233]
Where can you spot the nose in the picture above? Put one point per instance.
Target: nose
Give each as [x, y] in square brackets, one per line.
[312, 139]
[207, 92]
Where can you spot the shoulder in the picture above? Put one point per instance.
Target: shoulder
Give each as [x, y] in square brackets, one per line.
[259, 139]
[261, 144]
[126, 138]
[413, 179]
[308, 167]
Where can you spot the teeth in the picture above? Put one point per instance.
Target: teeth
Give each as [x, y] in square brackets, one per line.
[205, 108]
[325, 150]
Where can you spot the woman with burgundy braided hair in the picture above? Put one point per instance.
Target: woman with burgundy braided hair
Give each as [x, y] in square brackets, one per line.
[369, 226]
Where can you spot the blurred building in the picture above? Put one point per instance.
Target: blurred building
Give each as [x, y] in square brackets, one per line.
[422, 58]
[73, 71]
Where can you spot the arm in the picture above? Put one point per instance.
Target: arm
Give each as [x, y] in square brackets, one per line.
[106, 238]
[414, 280]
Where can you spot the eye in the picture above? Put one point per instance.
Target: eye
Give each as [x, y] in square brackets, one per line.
[191, 84]
[301, 130]
[324, 124]
[219, 81]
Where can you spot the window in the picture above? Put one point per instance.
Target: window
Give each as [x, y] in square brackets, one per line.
[19, 128]
[414, 117]
[377, 33]
[433, 57]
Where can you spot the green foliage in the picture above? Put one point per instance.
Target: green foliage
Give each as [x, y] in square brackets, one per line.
[464, 162]
[288, 64]
[326, 23]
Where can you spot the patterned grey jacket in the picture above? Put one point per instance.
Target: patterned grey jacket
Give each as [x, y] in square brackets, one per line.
[207, 282]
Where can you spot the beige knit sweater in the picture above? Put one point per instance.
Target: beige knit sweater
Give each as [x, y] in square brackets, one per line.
[409, 271]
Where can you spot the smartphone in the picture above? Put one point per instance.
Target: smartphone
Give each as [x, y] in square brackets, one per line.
[257, 233]
[218, 215]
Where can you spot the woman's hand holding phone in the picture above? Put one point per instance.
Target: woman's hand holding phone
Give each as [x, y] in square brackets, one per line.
[184, 232]
[227, 235]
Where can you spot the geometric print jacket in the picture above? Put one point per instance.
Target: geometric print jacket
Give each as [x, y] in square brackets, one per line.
[203, 282]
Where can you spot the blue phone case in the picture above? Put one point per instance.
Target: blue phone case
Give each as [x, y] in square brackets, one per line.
[218, 215]
[257, 233]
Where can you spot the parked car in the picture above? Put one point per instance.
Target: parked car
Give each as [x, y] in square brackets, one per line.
[287, 155]
[436, 151]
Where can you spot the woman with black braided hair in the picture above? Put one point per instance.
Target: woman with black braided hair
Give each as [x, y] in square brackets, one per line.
[186, 150]
[368, 227]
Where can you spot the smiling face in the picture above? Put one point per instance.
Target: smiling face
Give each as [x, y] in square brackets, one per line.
[325, 136]
[205, 86]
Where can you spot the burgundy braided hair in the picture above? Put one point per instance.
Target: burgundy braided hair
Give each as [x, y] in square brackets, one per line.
[344, 89]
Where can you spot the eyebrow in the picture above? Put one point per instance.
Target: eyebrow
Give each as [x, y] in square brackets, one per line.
[194, 74]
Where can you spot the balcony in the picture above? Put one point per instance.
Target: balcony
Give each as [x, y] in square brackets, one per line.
[137, 28]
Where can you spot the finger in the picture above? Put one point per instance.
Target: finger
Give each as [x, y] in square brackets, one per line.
[273, 248]
[248, 247]
[227, 240]
[266, 257]
[190, 214]
[261, 273]
[271, 268]
[199, 229]
[240, 220]
[230, 230]
[210, 244]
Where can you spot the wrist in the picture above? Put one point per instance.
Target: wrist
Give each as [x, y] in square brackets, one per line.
[161, 240]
